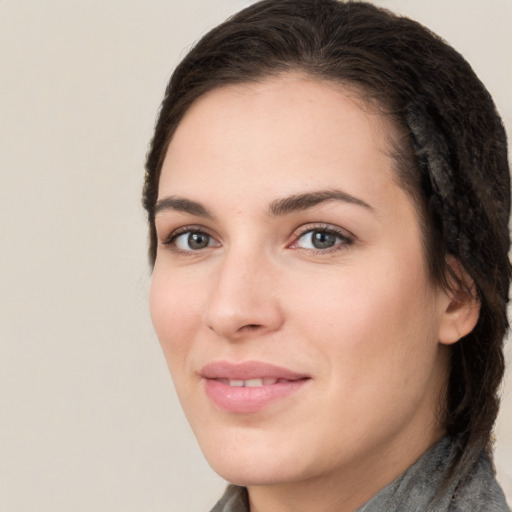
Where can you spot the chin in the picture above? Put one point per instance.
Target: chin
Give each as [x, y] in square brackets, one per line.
[253, 474]
[245, 477]
[256, 460]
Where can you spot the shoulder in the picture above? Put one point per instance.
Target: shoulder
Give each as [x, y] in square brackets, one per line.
[480, 492]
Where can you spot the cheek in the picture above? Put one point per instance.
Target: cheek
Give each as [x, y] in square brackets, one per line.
[375, 337]
[174, 311]
[370, 319]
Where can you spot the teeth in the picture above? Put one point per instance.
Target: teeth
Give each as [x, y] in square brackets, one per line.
[251, 383]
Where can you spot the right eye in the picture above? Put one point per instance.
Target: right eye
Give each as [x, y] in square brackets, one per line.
[191, 240]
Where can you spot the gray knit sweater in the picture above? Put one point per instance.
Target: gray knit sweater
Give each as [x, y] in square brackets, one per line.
[418, 489]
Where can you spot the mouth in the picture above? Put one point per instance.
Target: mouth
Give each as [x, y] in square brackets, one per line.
[251, 383]
[250, 386]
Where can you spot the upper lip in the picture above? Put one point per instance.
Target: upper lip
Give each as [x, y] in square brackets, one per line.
[248, 370]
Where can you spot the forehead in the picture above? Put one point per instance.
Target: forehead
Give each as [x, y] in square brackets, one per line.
[282, 133]
[284, 99]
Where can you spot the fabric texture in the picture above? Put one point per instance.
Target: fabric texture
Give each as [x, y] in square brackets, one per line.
[417, 490]
[235, 499]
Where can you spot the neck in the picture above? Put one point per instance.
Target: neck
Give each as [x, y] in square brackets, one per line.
[346, 489]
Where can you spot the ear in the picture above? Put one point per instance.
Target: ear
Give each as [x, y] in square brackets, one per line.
[461, 306]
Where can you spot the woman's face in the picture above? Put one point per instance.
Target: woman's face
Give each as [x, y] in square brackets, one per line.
[290, 292]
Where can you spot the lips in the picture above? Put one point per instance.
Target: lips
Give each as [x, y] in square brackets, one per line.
[250, 386]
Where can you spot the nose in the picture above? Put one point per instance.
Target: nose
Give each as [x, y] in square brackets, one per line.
[244, 299]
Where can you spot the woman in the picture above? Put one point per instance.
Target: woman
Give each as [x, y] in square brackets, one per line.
[328, 197]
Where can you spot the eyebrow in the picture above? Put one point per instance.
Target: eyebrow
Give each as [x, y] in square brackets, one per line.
[278, 207]
[300, 202]
[180, 204]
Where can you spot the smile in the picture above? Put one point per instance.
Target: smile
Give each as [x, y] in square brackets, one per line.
[249, 387]
[250, 383]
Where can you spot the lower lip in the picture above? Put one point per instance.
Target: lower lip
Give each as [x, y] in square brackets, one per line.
[249, 399]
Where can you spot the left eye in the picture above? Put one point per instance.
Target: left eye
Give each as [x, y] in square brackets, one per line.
[193, 241]
[319, 239]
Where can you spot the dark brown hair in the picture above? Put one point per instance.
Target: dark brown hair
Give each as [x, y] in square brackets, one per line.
[452, 159]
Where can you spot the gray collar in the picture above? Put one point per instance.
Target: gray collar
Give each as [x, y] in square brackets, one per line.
[420, 488]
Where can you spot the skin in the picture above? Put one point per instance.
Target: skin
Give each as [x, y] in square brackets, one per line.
[361, 319]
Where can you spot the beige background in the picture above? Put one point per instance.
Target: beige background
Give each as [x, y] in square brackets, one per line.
[88, 418]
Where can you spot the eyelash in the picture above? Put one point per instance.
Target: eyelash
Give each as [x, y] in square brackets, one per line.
[170, 241]
[346, 238]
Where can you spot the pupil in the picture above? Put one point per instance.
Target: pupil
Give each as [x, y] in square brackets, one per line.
[198, 240]
[323, 240]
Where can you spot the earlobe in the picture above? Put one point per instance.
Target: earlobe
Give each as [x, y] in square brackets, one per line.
[461, 306]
